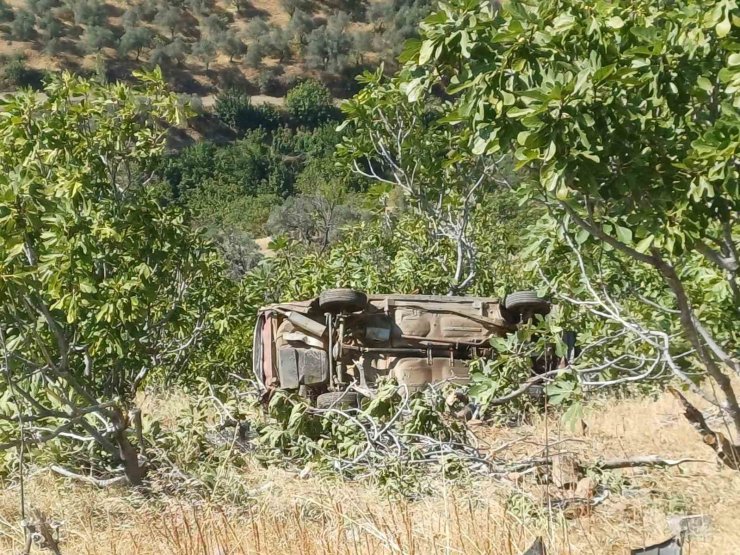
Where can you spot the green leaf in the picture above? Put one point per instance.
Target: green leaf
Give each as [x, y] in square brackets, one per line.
[615, 22]
[624, 234]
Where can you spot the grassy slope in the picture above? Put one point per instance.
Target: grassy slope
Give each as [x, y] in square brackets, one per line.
[316, 515]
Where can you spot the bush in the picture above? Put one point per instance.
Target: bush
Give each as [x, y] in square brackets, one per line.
[89, 12]
[310, 103]
[6, 12]
[17, 74]
[268, 81]
[235, 109]
[97, 37]
[22, 27]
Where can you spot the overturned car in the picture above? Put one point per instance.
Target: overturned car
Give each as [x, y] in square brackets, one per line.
[319, 347]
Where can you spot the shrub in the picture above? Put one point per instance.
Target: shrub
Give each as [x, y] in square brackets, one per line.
[22, 27]
[97, 37]
[6, 12]
[17, 74]
[268, 81]
[89, 12]
[205, 51]
[235, 109]
[310, 103]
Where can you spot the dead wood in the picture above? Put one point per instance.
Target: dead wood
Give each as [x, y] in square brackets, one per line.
[99, 482]
[647, 460]
[727, 453]
[43, 532]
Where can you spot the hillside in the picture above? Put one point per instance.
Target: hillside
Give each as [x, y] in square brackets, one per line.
[262, 46]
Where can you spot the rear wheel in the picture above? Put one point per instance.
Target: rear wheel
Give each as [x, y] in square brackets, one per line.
[342, 300]
[338, 400]
[522, 305]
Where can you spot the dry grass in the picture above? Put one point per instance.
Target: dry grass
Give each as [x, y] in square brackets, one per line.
[317, 515]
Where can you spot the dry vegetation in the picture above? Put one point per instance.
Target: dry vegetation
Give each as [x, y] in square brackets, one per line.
[289, 514]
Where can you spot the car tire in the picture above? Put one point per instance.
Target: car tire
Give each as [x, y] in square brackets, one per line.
[522, 302]
[342, 300]
[338, 400]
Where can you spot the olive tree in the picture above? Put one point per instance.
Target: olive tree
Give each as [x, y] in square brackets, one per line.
[624, 118]
[101, 286]
[205, 51]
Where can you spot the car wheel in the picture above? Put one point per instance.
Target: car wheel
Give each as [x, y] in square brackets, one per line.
[523, 303]
[338, 400]
[342, 300]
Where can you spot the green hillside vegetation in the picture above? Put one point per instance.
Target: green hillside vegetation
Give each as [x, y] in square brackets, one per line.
[587, 151]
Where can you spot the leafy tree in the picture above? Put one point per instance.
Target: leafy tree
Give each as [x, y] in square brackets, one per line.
[17, 74]
[22, 27]
[268, 81]
[201, 7]
[52, 27]
[256, 29]
[277, 43]
[322, 206]
[6, 11]
[254, 55]
[102, 287]
[170, 18]
[97, 38]
[41, 7]
[235, 109]
[131, 17]
[215, 26]
[626, 119]
[135, 39]
[89, 12]
[205, 51]
[53, 47]
[291, 6]
[310, 103]
[238, 249]
[233, 46]
[177, 50]
[300, 25]
[328, 46]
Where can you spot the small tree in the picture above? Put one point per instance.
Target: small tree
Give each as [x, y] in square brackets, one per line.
[97, 38]
[201, 7]
[277, 43]
[254, 55]
[22, 27]
[233, 107]
[51, 26]
[170, 18]
[135, 39]
[291, 6]
[101, 286]
[131, 18]
[177, 50]
[41, 7]
[205, 51]
[233, 46]
[6, 11]
[89, 12]
[310, 103]
[215, 26]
